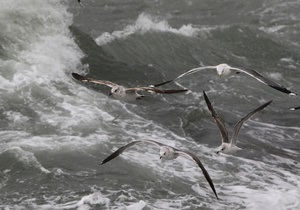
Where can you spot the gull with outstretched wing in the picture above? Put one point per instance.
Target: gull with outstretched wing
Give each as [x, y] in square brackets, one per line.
[126, 94]
[166, 153]
[224, 70]
[229, 146]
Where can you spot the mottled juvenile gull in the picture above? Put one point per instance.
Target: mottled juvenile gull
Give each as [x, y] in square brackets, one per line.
[167, 153]
[126, 94]
[229, 147]
[226, 70]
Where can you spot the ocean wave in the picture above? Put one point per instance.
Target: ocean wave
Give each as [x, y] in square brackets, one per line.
[26, 158]
[146, 23]
[24, 22]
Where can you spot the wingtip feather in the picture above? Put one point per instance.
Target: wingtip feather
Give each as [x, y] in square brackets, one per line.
[160, 84]
[77, 76]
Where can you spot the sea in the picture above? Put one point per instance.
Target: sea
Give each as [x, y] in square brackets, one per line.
[55, 131]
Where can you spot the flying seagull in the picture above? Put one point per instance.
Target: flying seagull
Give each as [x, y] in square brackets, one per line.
[167, 153]
[229, 147]
[224, 70]
[79, 1]
[123, 93]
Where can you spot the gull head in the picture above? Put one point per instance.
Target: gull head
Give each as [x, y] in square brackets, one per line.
[222, 148]
[166, 153]
[223, 69]
[227, 148]
[163, 152]
[114, 90]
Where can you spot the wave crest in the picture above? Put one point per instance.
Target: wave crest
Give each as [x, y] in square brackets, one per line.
[143, 24]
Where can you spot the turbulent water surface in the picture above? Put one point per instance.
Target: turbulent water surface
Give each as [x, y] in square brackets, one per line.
[55, 131]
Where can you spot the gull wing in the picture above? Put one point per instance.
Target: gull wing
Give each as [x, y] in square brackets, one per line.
[155, 90]
[91, 80]
[205, 173]
[239, 124]
[218, 121]
[192, 71]
[264, 80]
[123, 148]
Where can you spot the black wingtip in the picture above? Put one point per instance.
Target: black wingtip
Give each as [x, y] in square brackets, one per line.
[206, 98]
[284, 90]
[160, 84]
[105, 160]
[217, 196]
[78, 77]
[213, 189]
[265, 105]
[175, 91]
[268, 102]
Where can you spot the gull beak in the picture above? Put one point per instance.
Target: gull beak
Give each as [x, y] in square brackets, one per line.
[110, 94]
[217, 152]
[160, 157]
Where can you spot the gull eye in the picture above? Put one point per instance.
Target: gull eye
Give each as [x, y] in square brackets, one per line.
[223, 148]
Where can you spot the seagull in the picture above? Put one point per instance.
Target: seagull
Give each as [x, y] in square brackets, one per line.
[122, 93]
[229, 147]
[294, 108]
[166, 153]
[79, 1]
[224, 70]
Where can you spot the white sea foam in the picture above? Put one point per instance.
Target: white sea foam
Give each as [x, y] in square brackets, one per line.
[27, 158]
[85, 203]
[136, 206]
[273, 29]
[36, 75]
[270, 198]
[93, 200]
[16, 118]
[146, 23]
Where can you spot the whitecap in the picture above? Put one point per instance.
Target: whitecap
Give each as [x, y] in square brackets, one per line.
[27, 158]
[85, 203]
[143, 24]
[136, 206]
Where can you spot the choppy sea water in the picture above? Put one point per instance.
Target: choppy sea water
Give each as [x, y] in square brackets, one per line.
[55, 131]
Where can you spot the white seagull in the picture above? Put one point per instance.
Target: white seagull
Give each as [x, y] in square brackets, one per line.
[229, 147]
[224, 70]
[167, 153]
[122, 93]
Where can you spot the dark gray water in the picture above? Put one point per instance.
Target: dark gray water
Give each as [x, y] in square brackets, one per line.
[55, 131]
